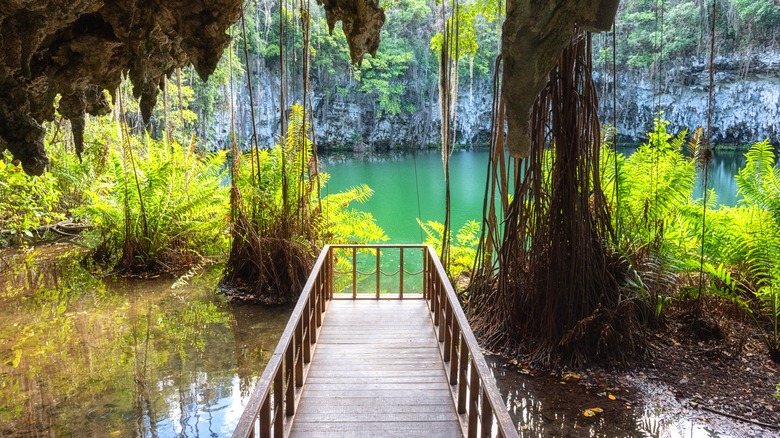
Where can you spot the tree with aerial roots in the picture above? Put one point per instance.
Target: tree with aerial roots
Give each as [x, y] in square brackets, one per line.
[547, 286]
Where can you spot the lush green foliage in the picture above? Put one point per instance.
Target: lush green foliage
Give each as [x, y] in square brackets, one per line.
[285, 192]
[25, 202]
[76, 176]
[279, 220]
[159, 206]
[655, 184]
[344, 224]
[478, 27]
[463, 249]
[679, 29]
[755, 236]
[658, 219]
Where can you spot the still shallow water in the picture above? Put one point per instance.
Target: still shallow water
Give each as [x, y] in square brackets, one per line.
[408, 186]
[85, 356]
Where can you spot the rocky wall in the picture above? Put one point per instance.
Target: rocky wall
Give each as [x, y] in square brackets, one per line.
[80, 48]
[746, 107]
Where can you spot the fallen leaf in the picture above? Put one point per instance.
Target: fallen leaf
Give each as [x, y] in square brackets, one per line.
[612, 397]
[592, 412]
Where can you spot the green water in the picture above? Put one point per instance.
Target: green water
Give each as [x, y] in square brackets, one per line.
[410, 186]
[407, 186]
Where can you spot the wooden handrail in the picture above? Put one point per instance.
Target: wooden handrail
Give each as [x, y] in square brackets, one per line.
[481, 408]
[473, 385]
[284, 375]
[379, 252]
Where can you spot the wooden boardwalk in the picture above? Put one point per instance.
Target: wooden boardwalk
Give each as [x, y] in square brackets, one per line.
[363, 357]
[377, 371]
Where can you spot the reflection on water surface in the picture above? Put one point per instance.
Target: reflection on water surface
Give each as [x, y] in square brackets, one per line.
[85, 356]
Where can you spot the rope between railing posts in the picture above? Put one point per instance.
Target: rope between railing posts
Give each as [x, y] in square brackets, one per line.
[365, 273]
[336, 271]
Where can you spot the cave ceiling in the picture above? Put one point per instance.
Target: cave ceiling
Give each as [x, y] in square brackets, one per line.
[78, 48]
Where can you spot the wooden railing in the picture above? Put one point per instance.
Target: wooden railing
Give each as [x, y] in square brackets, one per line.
[279, 388]
[479, 404]
[378, 271]
[474, 388]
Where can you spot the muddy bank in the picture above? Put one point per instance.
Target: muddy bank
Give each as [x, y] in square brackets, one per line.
[686, 387]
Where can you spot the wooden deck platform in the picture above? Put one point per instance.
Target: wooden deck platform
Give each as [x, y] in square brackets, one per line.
[363, 357]
[377, 371]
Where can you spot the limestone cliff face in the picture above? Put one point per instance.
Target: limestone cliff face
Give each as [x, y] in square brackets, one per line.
[747, 99]
[747, 107]
[352, 119]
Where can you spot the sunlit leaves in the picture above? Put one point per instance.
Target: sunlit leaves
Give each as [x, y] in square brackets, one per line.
[26, 202]
[463, 249]
[184, 198]
[592, 412]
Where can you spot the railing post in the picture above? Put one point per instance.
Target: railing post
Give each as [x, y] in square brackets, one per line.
[299, 356]
[313, 320]
[330, 273]
[316, 308]
[462, 375]
[447, 316]
[354, 273]
[436, 303]
[473, 401]
[289, 377]
[401, 272]
[426, 275]
[279, 405]
[443, 303]
[265, 419]
[487, 415]
[378, 271]
[454, 353]
[306, 327]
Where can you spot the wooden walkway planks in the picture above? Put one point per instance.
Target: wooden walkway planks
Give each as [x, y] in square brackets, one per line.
[376, 371]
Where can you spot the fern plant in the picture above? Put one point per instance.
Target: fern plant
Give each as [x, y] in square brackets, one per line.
[655, 183]
[464, 247]
[280, 221]
[758, 239]
[162, 214]
[340, 223]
